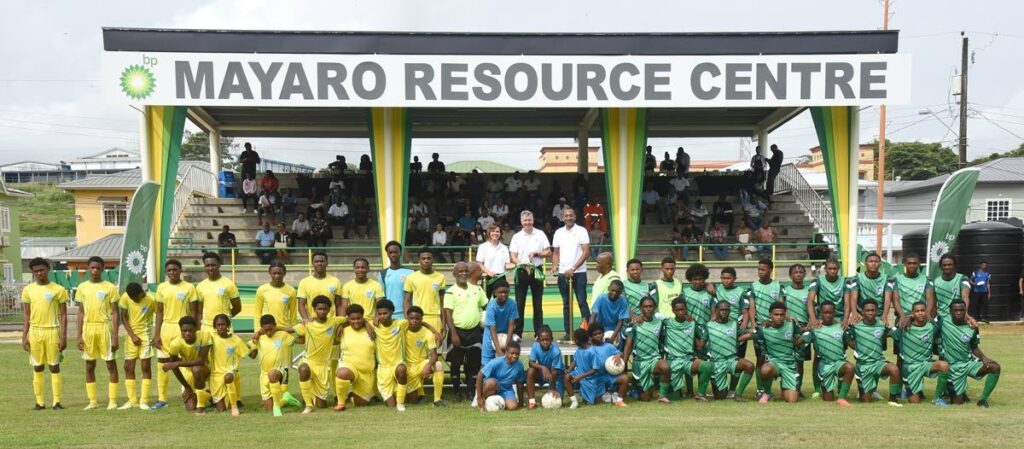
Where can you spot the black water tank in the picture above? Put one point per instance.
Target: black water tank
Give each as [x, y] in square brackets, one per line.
[915, 242]
[999, 244]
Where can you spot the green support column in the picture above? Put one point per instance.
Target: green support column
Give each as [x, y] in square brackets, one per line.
[391, 145]
[837, 128]
[623, 138]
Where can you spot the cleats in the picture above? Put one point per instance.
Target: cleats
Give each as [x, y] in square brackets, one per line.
[894, 404]
[92, 406]
[440, 404]
[235, 412]
[112, 406]
[277, 411]
[307, 410]
[158, 405]
[983, 403]
[57, 406]
[38, 407]
[125, 406]
[291, 400]
[620, 403]
[842, 402]
[340, 407]
[664, 400]
[400, 407]
[940, 403]
[764, 398]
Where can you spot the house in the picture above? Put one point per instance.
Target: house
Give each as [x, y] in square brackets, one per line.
[865, 164]
[564, 160]
[110, 161]
[101, 202]
[108, 248]
[10, 234]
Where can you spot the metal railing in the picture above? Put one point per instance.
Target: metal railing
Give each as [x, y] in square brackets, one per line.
[196, 181]
[10, 301]
[790, 179]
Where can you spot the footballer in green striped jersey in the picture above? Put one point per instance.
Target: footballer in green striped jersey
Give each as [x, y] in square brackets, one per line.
[728, 291]
[869, 284]
[700, 295]
[719, 338]
[917, 343]
[779, 338]
[831, 287]
[949, 286]
[867, 339]
[909, 287]
[959, 344]
[679, 337]
[798, 309]
[760, 296]
[643, 342]
[634, 288]
[830, 347]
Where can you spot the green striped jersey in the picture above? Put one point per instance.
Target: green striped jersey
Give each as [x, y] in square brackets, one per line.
[947, 291]
[678, 337]
[870, 339]
[699, 303]
[663, 293]
[634, 292]
[911, 290]
[762, 296]
[916, 342]
[737, 301]
[957, 340]
[868, 288]
[646, 339]
[829, 342]
[720, 339]
[796, 303]
[777, 342]
[830, 291]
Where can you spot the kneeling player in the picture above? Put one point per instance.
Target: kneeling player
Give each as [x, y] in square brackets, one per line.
[319, 335]
[916, 343]
[778, 339]
[227, 350]
[421, 360]
[274, 353]
[606, 381]
[720, 339]
[190, 351]
[960, 349]
[545, 366]
[830, 348]
[355, 373]
[581, 372]
[679, 335]
[502, 376]
[643, 342]
[867, 338]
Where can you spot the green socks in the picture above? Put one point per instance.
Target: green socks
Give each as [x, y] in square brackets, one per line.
[894, 392]
[741, 386]
[665, 389]
[990, 384]
[941, 384]
[844, 389]
[703, 377]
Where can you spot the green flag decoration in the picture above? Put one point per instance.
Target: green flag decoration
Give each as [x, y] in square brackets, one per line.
[949, 214]
[135, 245]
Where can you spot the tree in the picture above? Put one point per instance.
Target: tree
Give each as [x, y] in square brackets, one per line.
[1018, 152]
[196, 147]
[918, 160]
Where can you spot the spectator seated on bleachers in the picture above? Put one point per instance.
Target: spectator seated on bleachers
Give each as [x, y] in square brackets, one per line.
[499, 210]
[283, 240]
[339, 166]
[419, 215]
[320, 229]
[722, 212]
[439, 238]
[719, 235]
[362, 219]
[467, 222]
[477, 235]
[485, 220]
[226, 239]
[459, 238]
[249, 193]
[339, 216]
[301, 229]
[744, 236]
[267, 207]
[288, 204]
[700, 215]
[651, 203]
[265, 239]
[765, 234]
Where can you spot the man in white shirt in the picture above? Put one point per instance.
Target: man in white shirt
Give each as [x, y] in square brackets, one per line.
[527, 251]
[485, 220]
[439, 238]
[300, 228]
[571, 245]
[418, 214]
[556, 212]
[499, 210]
[513, 184]
[652, 202]
[494, 188]
[339, 215]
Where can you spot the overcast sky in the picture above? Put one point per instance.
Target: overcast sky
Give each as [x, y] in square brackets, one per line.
[53, 105]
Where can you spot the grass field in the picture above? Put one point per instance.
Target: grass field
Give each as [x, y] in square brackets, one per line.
[724, 424]
[49, 213]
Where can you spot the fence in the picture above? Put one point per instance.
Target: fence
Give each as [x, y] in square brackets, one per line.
[791, 180]
[10, 301]
[196, 181]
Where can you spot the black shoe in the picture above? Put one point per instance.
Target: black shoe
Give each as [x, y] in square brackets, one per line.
[440, 404]
[57, 406]
[38, 407]
[983, 403]
[239, 404]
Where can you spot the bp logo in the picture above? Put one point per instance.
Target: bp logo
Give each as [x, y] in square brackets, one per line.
[137, 81]
[136, 262]
[938, 249]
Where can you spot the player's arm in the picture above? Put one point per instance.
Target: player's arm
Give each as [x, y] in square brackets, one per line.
[431, 363]
[582, 260]
[196, 310]
[62, 313]
[450, 323]
[81, 321]
[115, 331]
[929, 298]
[157, 341]
[171, 366]
[258, 310]
[303, 312]
[407, 302]
[437, 333]
[236, 306]
[480, 389]
[751, 314]
[628, 349]
[204, 354]
[812, 299]
[618, 328]
[128, 329]
[890, 298]
[26, 311]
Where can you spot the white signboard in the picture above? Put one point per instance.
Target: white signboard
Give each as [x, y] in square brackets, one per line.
[223, 79]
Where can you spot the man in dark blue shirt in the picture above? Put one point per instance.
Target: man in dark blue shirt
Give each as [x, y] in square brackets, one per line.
[980, 291]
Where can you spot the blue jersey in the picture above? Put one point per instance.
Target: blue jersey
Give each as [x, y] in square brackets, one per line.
[980, 280]
[497, 316]
[552, 358]
[394, 288]
[610, 312]
[584, 360]
[601, 354]
[504, 373]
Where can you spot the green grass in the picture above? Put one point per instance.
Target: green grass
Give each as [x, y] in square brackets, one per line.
[682, 423]
[49, 213]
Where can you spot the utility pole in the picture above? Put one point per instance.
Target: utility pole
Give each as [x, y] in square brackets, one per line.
[963, 102]
[880, 172]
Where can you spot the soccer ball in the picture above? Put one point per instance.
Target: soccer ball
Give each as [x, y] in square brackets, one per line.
[502, 339]
[551, 400]
[608, 335]
[614, 365]
[494, 403]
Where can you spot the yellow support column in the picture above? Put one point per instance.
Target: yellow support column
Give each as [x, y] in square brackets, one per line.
[391, 144]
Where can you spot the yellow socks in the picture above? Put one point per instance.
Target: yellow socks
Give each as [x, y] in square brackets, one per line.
[306, 387]
[342, 388]
[144, 391]
[400, 392]
[277, 392]
[90, 391]
[232, 397]
[162, 377]
[129, 387]
[112, 393]
[438, 385]
[202, 397]
[57, 384]
[237, 383]
[37, 387]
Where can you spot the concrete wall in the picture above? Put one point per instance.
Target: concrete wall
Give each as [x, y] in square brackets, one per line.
[11, 254]
[919, 205]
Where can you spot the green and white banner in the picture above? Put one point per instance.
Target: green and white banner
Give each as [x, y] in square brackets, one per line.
[135, 246]
[949, 214]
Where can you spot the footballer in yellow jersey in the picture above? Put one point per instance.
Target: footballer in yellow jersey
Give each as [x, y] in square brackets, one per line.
[361, 290]
[319, 284]
[421, 363]
[389, 335]
[218, 294]
[320, 336]
[425, 288]
[137, 309]
[98, 322]
[276, 298]
[175, 299]
[44, 332]
[355, 372]
[228, 349]
[273, 351]
[189, 353]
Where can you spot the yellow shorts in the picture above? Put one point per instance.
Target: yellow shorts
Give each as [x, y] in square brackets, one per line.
[189, 377]
[414, 374]
[335, 353]
[320, 376]
[168, 332]
[142, 351]
[44, 343]
[97, 342]
[434, 320]
[386, 381]
[218, 387]
[265, 392]
[364, 383]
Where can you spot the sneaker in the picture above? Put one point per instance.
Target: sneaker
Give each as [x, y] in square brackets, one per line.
[126, 406]
[983, 403]
[939, 402]
[440, 403]
[842, 402]
[307, 410]
[112, 406]
[730, 395]
[158, 405]
[400, 407]
[574, 404]
[291, 400]
[894, 404]
[607, 397]
[201, 411]
[235, 412]
[816, 395]
[532, 404]
[340, 407]
[57, 406]
[92, 406]
[620, 403]
[474, 403]
[38, 407]
[876, 396]
[664, 400]
[764, 398]
[143, 406]
[277, 411]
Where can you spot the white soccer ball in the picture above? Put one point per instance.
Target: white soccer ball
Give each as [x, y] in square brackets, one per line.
[494, 403]
[614, 365]
[502, 339]
[551, 400]
[608, 335]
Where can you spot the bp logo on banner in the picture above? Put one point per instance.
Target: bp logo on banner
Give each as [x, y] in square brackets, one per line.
[137, 81]
[135, 244]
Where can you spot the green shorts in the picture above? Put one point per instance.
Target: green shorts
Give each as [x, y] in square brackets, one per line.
[959, 371]
[868, 374]
[720, 372]
[643, 373]
[828, 374]
[790, 377]
[914, 373]
[680, 368]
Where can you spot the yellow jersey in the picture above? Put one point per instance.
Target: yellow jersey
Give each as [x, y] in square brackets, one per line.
[177, 300]
[216, 297]
[45, 301]
[275, 351]
[226, 353]
[389, 341]
[311, 287]
[95, 299]
[357, 349]
[319, 338]
[465, 304]
[366, 294]
[139, 315]
[418, 345]
[426, 291]
[279, 302]
[189, 351]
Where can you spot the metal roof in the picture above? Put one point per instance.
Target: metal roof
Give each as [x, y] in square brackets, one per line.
[109, 248]
[1008, 170]
[483, 166]
[128, 179]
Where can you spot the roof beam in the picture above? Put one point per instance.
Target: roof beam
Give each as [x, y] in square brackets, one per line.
[202, 119]
[778, 118]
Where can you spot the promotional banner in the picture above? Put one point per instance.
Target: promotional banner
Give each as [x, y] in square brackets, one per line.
[948, 216]
[344, 80]
[136, 243]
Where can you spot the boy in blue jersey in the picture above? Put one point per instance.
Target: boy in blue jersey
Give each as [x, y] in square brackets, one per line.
[545, 366]
[580, 375]
[501, 319]
[606, 381]
[611, 310]
[503, 376]
[393, 277]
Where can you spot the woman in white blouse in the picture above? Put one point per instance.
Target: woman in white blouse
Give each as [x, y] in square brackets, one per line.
[494, 256]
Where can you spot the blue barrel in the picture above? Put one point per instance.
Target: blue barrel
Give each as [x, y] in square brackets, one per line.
[226, 184]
